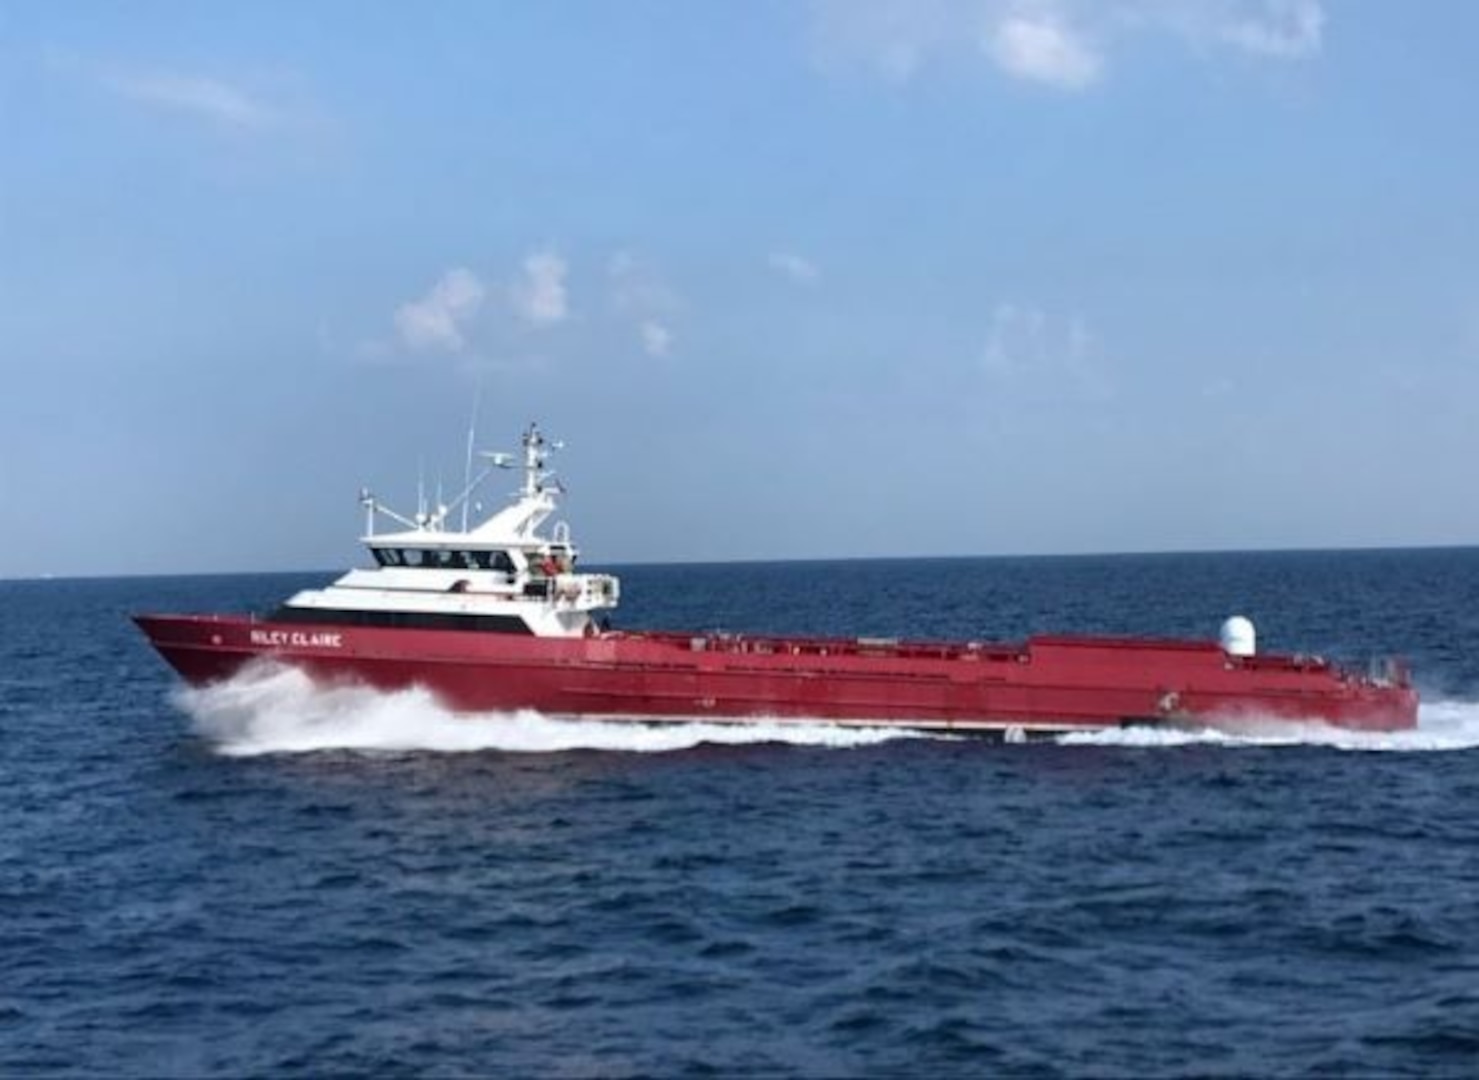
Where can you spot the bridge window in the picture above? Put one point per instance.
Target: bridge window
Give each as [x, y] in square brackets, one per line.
[439, 559]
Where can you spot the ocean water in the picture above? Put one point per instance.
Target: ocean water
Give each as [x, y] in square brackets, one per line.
[267, 877]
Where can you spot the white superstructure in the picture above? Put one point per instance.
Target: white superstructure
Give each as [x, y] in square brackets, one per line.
[500, 575]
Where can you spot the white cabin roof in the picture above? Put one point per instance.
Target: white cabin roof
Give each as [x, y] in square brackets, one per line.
[460, 541]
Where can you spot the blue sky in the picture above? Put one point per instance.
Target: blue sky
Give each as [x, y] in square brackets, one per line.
[793, 279]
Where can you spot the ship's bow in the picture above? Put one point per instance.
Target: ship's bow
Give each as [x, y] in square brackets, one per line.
[199, 647]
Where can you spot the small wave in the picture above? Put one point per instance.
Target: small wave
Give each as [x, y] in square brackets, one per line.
[272, 709]
[1441, 725]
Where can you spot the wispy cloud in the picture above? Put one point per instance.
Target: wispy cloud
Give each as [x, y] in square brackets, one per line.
[267, 101]
[438, 320]
[797, 268]
[206, 98]
[657, 338]
[636, 286]
[1028, 348]
[540, 297]
[640, 296]
[1281, 29]
[1014, 341]
[1063, 44]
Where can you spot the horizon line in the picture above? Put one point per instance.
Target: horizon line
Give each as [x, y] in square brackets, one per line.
[784, 561]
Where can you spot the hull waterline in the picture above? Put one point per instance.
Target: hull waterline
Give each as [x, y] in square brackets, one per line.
[1057, 683]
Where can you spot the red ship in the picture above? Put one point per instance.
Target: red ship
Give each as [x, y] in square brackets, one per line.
[496, 617]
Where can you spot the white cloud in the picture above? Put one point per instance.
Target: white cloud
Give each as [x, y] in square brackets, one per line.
[541, 297]
[204, 97]
[798, 268]
[1067, 44]
[1038, 44]
[443, 319]
[438, 319]
[657, 339]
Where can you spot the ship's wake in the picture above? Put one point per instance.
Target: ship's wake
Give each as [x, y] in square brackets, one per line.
[270, 709]
[1441, 725]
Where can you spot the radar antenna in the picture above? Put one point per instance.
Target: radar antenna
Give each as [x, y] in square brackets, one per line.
[537, 450]
[538, 484]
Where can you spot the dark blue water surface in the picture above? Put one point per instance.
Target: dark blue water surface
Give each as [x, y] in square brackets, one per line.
[268, 877]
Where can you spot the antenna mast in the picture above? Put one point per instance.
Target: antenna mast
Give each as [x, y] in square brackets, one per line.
[536, 452]
[420, 493]
[472, 430]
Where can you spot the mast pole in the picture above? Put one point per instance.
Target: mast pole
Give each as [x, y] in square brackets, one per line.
[533, 459]
[420, 493]
[472, 429]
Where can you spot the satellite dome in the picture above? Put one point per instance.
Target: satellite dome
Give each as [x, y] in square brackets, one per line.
[1238, 636]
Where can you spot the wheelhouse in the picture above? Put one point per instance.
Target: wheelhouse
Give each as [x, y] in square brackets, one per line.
[503, 574]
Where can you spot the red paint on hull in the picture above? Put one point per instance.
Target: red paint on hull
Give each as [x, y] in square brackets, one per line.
[1056, 683]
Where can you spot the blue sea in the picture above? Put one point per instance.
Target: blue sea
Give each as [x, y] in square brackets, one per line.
[270, 878]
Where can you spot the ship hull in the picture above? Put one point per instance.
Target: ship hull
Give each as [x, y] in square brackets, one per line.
[1044, 684]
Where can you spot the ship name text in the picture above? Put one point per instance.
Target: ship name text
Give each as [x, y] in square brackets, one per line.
[298, 639]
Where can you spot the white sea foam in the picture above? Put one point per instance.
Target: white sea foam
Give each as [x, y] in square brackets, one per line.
[1441, 725]
[269, 709]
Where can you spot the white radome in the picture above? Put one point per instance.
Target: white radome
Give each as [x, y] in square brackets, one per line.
[1238, 636]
